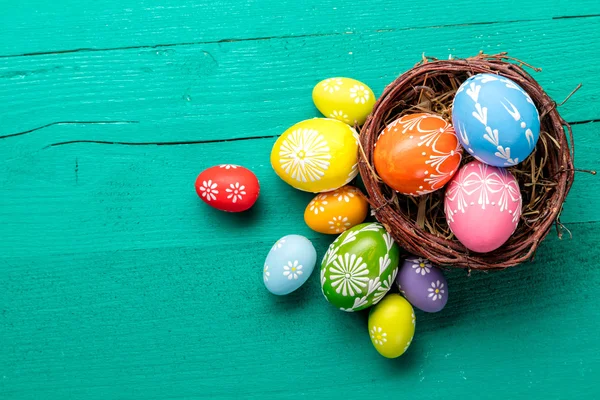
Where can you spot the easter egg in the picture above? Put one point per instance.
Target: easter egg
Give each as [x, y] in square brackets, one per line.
[289, 264]
[344, 99]
[316, 155]
[392, 325]
[482, 206]
[423, 284]
[228, 187]
[417, 154]
[359, 267]
[495, 119]
[336, 211]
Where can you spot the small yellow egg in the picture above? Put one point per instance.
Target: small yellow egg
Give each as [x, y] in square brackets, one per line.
[392, 325]
[344, 99]
[316, 155]
[334, 212]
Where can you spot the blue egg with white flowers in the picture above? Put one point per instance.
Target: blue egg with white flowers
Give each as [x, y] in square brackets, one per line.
[289, 264]
[495, 120]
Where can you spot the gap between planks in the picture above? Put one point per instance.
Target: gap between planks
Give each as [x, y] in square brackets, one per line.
[283, 37]
[174, 143]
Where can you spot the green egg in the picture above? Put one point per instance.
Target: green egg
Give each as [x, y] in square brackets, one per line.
[359, 267]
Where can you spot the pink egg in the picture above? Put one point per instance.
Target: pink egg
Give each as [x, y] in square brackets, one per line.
[483, 206]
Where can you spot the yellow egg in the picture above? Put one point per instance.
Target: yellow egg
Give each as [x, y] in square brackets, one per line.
[316, 155]
[336, 211]
[392, 325]
[344, 99]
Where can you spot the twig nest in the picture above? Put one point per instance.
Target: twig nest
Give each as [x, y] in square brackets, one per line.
[544, 178]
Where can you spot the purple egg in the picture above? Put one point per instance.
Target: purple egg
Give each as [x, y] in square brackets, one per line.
[423, 284]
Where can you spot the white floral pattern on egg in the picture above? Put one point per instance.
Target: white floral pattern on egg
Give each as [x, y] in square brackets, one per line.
[482, 206]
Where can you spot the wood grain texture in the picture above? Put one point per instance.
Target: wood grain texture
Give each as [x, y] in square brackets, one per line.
[43, 26]
[118, 283]
[233, 90]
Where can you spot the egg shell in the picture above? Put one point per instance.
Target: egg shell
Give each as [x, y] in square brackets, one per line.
[423, 284]
[495, 119]
[392, 325]
[228, 187]
[335, 212]
[359, 267]
[316, 155]
[482, 206]
[344, 99]
[417, 154]
[289, 264]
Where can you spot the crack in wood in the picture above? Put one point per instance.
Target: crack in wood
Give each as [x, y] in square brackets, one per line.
[179, 143]
[69, 123]
[174, 143]
[283, 37]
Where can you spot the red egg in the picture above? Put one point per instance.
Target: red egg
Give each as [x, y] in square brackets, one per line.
[228, 187]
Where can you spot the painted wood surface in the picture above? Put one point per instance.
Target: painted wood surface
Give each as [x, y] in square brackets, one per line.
[118, 283]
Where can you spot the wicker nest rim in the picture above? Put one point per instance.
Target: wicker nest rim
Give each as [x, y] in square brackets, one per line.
[545, 178]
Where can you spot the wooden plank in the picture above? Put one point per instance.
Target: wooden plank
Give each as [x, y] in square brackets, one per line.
[195, 322]
[42, 26]
[258, 88]
[85, 196]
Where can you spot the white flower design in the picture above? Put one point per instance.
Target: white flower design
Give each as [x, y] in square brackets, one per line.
[292, 270]
[504, 153]
[508, 192]
[343, 194]
[436, 290]
[331, 253]
[414, 320]
[228, 166]
[409, 123]
[480, 113]
[374, 227]
[209, 190]
[304, 155]
[266, 273]
[358, 302]
[378, 335]
[350, 237]
[339, 114]
[389, 241]
[278, 244]
[407, 345]
[384, 262]
[484, 182]
[359, 93]
[421, 266]
[339, 224]
[317, 204]
[349, 274]
[236, 191]
[473, 91]
[332, 84]
[384, 287]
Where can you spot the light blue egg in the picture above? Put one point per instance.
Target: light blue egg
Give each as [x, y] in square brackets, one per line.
[495, 120]
[289, 264]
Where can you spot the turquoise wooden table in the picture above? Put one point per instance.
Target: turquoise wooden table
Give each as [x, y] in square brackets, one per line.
[117, 282]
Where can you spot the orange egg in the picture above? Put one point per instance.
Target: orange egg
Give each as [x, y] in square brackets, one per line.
[417, 154]
[336, 211]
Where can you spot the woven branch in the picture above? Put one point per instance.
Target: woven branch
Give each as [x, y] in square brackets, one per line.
[418, 223]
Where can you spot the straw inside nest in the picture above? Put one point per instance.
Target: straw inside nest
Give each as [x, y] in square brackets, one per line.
[419, 223]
